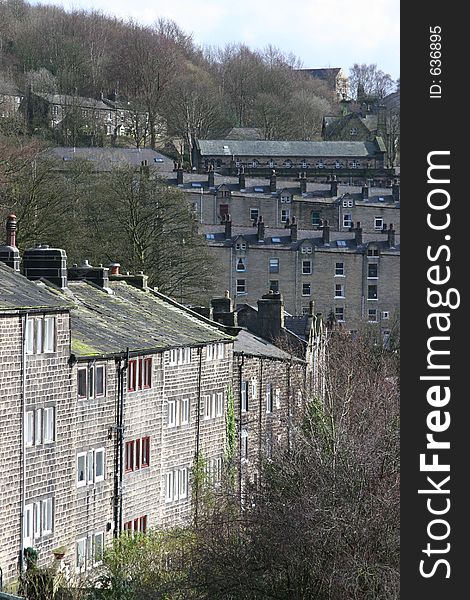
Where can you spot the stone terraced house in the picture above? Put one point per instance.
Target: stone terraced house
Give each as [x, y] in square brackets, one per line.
[110, 393]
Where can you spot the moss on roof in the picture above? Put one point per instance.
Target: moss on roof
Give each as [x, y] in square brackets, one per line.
[104, 324]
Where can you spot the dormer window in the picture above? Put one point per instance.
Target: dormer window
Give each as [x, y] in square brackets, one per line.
[288, 164]
[285, 198]
[271, 163]
[304, 164]
[240, 246]
[372, 252]
[306, 250]
[353, 131]
[254, 163]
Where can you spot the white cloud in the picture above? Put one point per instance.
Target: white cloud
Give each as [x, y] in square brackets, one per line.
[320, 32]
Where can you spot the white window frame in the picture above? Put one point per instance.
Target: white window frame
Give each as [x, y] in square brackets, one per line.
[371, 276]
[277, 398]
[378, 220]
[347, 220]
[99, 535]
[90, 467]
[183, 483]
[339, 269]
[169, 477]
[28, 525]
[285, 214]
[239, 291]
[269, 398]
[49, 335]
[244, 396]
[184, 404]
[80, 555]
[103, 369]
[219, 404]
[29, 336]
[49, 425]
[244, 445]
[81, 455]
[98, 478]
[171, 413]
[309, 288]
[374, 318]
[220, 351]
[385, 314]
[47, 516]
[340, 320]
[339, 290]
[37, 519]
[308, 264]
[240, 261]
[81, 369]
[39, 336]
[207, 406]
[254, 388]
[29, 428]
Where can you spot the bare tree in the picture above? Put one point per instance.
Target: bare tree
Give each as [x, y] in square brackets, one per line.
[369, 81]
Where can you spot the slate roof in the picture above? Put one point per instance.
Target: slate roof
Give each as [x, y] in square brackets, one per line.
[105, 324]
[313, 238]
[105, 159]
[250, 344]
[18, 293]
[66, 100]
[273, 148]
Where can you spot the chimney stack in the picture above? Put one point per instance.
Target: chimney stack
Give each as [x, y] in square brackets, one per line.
[391, 236]
[358, 234]
[241, 179]
[210, 177]
[179, 175]
[303, 183]
[260, 229]
[270, 315]
[365, 191]
[293, 230]
[272, 182]
[333, 186]
[396, 191]
[222, 311]
[97, 275]
[228, 226]
[9, 254]
[326, 233]
[43, 262]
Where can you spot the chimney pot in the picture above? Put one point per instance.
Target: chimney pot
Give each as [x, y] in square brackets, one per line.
[11, 230]
[114, 268]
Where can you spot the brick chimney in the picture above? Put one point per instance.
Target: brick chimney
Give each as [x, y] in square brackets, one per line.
[272, 182]
[396, 191]
[391, 236]
[9, 254]
[326, 233]
[210, 177]
[293, 230]
[47, 263]
[228, 226]
[365, 191]
[358, 234]
[303, 183]
[241, 179]
[333, 186]
[222, 310]
[270, 315]
[260, 229]
[179, 175]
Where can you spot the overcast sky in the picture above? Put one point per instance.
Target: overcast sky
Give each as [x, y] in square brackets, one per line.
[322, 33]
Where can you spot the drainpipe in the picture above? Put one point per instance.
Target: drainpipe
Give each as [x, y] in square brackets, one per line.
[240, 378]
[289, 403]
[198, 434]
[23, 444]
[260, 424]
[119, 450]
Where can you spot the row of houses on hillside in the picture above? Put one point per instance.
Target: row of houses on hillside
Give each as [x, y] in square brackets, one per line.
[111, 393]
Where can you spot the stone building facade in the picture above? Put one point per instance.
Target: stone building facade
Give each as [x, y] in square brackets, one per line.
[353, 277]
[277, 200]
[110, 394]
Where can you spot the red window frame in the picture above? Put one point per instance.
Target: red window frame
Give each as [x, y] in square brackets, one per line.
[143, 524]
[145, 451]
[147, 373]
[132, 376]
[137, 454]
[129, 456]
